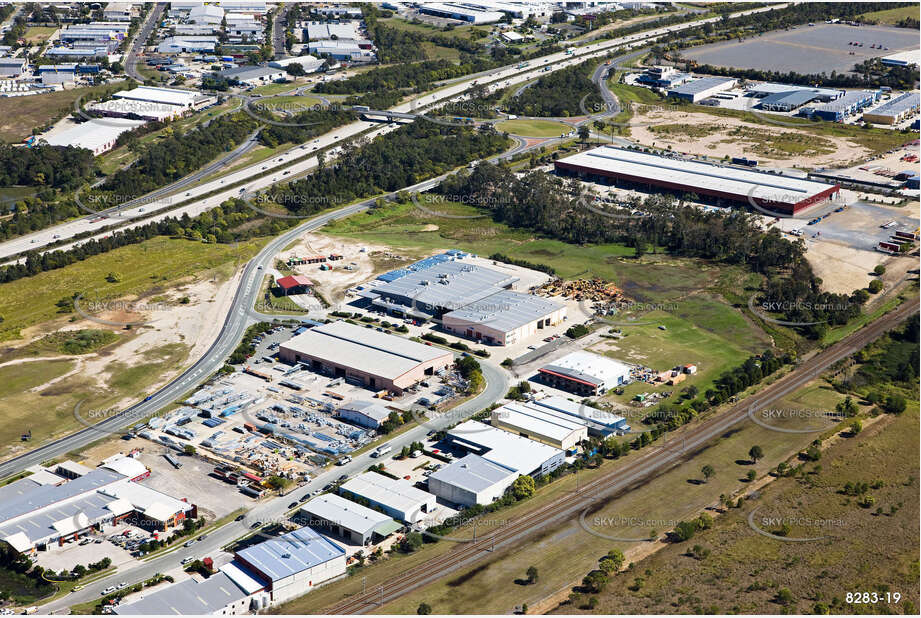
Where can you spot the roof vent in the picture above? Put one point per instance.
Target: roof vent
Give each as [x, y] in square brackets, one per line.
[286, 555]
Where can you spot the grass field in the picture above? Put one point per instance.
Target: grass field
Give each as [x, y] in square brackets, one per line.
[36, 35]
[271, 89]
[19, 115]
[534, 128]
[891, 16]
[864, 551]
[145, 268]
[701, 329]
[28, 402]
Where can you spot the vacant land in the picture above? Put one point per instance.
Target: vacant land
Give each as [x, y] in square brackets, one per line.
[534, 128]
[36, 35]
[143, 269]
[867, 549]
[891, 16]
[693, 129]
[19, 115]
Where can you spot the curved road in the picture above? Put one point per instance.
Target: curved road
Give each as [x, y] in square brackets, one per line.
[511, 74]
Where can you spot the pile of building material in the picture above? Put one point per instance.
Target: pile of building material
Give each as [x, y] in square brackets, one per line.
[601, 294]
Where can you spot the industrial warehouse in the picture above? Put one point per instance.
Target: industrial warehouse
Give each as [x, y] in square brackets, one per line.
[585, 373]
[63, 503]
[395, 497]
[376, 360]
[471, 300]
[894, 111]
[512, 451]
[781, 194]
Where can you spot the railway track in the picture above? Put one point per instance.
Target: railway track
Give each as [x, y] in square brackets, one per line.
[657, 458]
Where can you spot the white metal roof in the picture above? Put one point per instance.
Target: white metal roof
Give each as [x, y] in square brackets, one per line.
[350, 515]
[93, 134]
[391, 493]
[504, 448]
[474, 473]
[242, 577]
[537, 421]
[129, 466]
[697, 174]
[506, 310]
[579, 411]
[363, 348]
[169, 96]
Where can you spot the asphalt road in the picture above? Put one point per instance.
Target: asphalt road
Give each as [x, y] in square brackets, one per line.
[140, 40]
[278, 32]
[497, 78]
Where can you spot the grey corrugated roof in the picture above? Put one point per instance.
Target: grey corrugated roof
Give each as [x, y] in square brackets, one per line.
[851, 98]
[378, 353]
[20, 498]
[242, 73]
[187, 598]
[898, 105]
[473, 473]
[291, 553]
[697, 174]
[332, 508]
[794, 98]
[370, 409]
[449, 285]
[699, 85]
[506, 310]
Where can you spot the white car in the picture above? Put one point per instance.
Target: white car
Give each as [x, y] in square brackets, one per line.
[122, 585]
[109, 590]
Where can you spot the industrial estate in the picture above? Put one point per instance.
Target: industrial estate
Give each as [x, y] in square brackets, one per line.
[472, 307]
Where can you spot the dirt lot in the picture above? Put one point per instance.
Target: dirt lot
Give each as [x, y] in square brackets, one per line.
[704, 134]
[332, 284]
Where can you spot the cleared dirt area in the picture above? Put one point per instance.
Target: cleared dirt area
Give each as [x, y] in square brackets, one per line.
[702, 134]
[178, 324]
[366, 261]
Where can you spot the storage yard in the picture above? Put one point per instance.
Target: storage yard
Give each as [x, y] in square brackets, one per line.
[827, 46]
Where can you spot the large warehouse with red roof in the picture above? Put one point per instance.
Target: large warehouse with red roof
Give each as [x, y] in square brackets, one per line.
[773, 192]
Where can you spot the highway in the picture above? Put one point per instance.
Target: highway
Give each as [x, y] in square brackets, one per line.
[497, 78]
[650, 462]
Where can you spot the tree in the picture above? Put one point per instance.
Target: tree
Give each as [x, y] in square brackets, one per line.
[707, 471]
[751, 475]
[424, 609]
[875, 286]
[784, 596]
[616, 556]
[188, 449]
[532, 574]
[856, 427]
[523, 487]
[879, 270]
[685, 530]
[583, 133]
[755, 453]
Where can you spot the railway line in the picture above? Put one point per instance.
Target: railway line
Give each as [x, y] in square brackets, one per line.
[657, 458]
